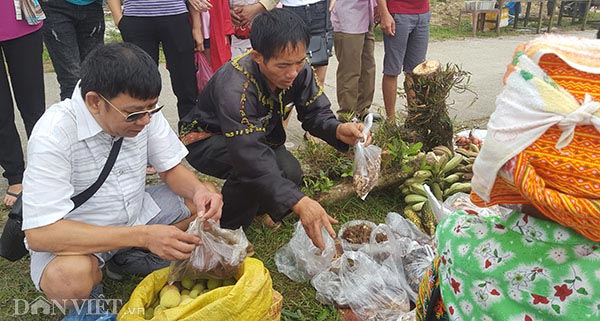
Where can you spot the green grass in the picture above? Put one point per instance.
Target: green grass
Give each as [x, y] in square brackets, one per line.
[299, 299]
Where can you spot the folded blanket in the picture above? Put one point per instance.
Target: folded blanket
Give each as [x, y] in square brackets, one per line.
[543, 141]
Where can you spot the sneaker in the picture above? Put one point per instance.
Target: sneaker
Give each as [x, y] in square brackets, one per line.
[134, 261]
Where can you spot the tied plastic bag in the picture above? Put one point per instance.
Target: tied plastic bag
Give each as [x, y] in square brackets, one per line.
[367, 162]
[300, 259]
[416, 263]
[218, 257]
[372, 291]
[204, 72]
[405, 228]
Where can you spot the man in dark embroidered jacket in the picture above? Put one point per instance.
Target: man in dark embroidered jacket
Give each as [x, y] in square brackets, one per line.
[236, 131]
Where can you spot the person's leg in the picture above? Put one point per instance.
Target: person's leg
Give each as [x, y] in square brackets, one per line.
[141, 261]
[66, 278]
[366, 84]
[178, 46]
[394, 48]
[348, 72]
[141, 32]
[210, 156]
[90, 28]
[60, 38]
[418, 40]
[24, 62]
[11, 158]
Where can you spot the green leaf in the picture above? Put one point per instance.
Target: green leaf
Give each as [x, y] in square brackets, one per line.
[496, 252]
[577, 278]
[569, 281]
[323, 315]
[582, 291]
[556, 308]
[481, 285]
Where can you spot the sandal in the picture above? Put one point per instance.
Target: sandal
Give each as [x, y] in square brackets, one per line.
[9, 195]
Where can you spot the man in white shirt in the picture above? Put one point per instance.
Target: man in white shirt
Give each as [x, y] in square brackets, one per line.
[138, 229]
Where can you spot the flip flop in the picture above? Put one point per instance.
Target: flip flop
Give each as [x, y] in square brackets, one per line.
[15, 195]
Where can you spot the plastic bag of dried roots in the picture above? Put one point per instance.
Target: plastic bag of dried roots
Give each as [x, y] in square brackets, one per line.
[367, 162]
[218, 257]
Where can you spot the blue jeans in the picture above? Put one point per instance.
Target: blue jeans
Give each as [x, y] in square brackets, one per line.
[70, 33]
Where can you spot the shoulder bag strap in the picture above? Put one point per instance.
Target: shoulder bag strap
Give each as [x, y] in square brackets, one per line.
[90, 191]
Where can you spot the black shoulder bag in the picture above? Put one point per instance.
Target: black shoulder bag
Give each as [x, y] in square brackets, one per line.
[320, 46]
[12, 246]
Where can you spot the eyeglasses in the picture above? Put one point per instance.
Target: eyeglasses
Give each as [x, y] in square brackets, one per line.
[136, 115]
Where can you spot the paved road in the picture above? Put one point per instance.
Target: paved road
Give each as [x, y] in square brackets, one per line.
[485, 58]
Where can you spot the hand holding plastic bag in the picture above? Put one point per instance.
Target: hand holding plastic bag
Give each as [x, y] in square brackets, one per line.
[218, 257]
[367, 162]
[300, 259]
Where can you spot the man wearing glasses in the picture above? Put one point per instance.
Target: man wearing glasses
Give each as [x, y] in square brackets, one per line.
[127, 226]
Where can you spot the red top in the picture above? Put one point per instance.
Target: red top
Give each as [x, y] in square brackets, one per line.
[408, 6]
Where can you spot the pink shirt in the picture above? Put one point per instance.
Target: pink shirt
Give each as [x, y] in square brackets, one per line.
[10, 27]
[352, 16]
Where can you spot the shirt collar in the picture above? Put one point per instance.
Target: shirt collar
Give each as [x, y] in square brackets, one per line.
[87, 126]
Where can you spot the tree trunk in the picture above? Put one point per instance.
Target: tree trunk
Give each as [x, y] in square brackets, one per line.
[427, 119]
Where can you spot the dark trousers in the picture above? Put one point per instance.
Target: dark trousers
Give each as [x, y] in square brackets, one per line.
[175, 35]
[23, 57]
[241, 203]
[70, 33]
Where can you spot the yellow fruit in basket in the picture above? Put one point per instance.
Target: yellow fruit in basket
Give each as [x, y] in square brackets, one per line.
[230, 281]
[187, 283]
[194, 294]
[170, 297]
[185, 301]
[149, 313]
[200, 285]
[158, 309]
[213, 284]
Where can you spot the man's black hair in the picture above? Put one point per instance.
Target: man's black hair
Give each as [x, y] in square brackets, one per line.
[275, 30]
[120, 68]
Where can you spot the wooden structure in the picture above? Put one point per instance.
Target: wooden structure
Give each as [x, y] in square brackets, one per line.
[478, 16]
[526, 19]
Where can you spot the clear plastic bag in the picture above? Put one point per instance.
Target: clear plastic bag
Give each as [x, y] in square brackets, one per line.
[370, 288]
[300, 259]
[329, 285]
[416, 263]
[462, 201]
[405, 228]
[367, 163]
[204, 71]
[218, 257]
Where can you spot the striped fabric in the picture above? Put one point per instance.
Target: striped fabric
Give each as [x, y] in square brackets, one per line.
[153, 8]
[563, 184]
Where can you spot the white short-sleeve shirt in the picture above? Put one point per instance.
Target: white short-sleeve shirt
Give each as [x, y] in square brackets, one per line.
[65, 155]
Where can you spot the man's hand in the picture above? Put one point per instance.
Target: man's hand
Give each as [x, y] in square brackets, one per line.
[314, 218]
[169, 242]
[243, 15]
[208, 203]
[351, 133]
[200, 5]
[388, 25]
